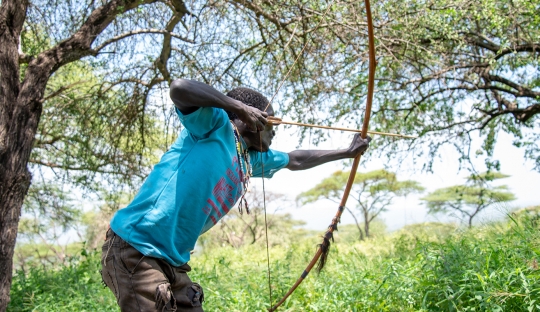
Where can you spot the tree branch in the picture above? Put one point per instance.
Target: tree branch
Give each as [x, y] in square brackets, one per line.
[241, 53]
[25, 58]
[161, 62]
[260, 12]
[522, 91]
[138, 32]
[62, 89]
[532, 47]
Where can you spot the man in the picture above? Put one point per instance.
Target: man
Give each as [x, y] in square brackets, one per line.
[225, 140]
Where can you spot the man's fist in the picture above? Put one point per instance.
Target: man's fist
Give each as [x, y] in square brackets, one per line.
[359, 145]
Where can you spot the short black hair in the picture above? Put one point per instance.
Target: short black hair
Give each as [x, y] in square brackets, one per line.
[249, 97]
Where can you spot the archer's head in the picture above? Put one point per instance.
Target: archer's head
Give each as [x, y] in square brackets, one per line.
[255, 140]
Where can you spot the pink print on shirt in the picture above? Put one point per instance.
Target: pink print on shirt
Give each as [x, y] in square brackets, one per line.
[232, 176]
[216, 209]
[223, 193]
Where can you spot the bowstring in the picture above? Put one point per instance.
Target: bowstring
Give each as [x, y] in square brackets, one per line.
[260, 140]
[264, 190]
[266, 224]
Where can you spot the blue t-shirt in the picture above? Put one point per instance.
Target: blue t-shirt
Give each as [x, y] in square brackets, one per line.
[194, 185]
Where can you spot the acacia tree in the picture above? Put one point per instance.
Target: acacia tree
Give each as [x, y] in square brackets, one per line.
[469, 199]
[448, 70]
[372, 191]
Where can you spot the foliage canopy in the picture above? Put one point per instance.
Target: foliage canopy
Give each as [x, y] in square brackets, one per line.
[447, 69]
[469, 199]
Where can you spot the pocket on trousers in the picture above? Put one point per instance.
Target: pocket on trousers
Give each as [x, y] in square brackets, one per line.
[130, 258]
[165, 300]
[194, 296]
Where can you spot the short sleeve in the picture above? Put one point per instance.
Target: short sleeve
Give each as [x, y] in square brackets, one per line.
[272, 161]
[202, 121]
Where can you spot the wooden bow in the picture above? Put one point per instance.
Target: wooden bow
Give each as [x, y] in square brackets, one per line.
[323, 249]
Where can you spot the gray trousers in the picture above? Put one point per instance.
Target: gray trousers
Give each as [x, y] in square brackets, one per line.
[142, 283]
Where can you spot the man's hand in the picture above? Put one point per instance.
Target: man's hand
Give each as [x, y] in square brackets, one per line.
[254, 119]
[358, 145]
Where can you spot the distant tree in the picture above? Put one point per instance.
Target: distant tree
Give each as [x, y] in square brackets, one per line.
[372, 191]
[471, 198]
[95, 222]
[349, 232]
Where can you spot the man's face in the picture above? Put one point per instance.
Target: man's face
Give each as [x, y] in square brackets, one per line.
[263, 139]
[260, 141]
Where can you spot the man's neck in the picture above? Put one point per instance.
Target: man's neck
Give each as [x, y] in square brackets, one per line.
[243, 133]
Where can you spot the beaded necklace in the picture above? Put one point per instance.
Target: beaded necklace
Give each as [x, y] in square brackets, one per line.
[245, 168]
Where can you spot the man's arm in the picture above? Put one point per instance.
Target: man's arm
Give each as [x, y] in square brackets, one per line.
[305, 159]
[189, 95]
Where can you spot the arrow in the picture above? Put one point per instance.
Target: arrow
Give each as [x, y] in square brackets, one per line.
[277, 121]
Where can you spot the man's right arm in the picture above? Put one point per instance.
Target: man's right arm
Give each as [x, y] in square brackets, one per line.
[189, 95]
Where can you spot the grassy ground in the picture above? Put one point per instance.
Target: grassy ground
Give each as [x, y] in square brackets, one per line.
[422, 268]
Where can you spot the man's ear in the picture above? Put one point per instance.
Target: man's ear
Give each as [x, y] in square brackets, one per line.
[242, 127]
[239, 124]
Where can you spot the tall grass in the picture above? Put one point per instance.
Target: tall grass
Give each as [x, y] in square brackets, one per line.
[424, 268]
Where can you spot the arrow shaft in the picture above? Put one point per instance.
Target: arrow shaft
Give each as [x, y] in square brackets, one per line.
[277, 121]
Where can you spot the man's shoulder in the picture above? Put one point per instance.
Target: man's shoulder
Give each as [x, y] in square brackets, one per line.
[204, 120]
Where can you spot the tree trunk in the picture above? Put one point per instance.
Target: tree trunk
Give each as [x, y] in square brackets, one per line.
[366, 224]
[18, 124]
[361, 234]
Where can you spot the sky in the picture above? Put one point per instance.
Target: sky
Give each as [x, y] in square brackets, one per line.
[524, 182]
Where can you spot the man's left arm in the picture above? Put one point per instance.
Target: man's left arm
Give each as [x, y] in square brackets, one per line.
[305, 159]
